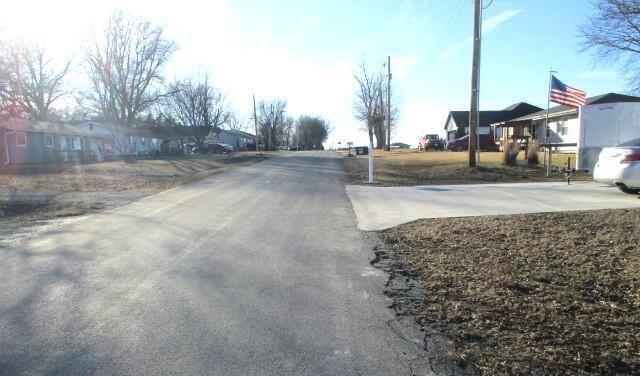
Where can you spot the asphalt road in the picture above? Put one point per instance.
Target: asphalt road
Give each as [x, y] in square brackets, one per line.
[258, 270]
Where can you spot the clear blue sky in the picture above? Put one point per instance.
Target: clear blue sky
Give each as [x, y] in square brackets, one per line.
[307, 51]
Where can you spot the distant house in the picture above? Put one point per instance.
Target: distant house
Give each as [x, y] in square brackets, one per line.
[238, 139]
[123, 141]
[31, 142]
[606, 120]
[178, 139]
[457, 124]
[400, 145]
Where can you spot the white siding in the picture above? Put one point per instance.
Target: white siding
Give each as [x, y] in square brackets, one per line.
[450, 127]
[606, 125]
[565, 130]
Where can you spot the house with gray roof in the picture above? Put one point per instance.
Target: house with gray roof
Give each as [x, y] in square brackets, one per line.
[238, 139]
[457, 124]
[605, 120]
[32, 142]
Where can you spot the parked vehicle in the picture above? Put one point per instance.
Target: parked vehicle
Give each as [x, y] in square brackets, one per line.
[620, 166]
[296, 148]
[487, 143]
[213, 148]
[431, 141]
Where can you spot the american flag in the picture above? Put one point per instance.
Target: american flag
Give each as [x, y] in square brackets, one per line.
[565, 94]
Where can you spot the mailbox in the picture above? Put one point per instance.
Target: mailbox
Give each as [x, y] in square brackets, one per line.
[362, 150]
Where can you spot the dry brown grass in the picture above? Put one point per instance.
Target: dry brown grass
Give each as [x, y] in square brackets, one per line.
[541, 294]
[119, 176]
[410, 167]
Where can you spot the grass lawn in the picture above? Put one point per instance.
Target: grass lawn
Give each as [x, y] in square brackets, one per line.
[544, 294]
[410, 167]
[44, 183]
[120, 176]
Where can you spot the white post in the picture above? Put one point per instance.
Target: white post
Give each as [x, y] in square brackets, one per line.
[370, 161]
[389, 103]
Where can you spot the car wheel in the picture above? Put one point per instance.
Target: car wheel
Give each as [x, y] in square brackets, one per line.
[631, 191]
[459, 148]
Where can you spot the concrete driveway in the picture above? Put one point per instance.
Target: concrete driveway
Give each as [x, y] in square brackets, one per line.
[378, 208]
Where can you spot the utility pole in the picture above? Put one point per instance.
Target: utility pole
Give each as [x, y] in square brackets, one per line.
[255, 120]
[546, 126]
[475, 75]
[388, 103]
[270, 126]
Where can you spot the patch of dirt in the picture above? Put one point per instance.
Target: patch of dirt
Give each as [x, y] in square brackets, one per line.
[551, 293]
[23, 220]
[23, 212]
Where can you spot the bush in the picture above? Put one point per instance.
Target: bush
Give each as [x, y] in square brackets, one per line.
[510, 150]
[533, 158]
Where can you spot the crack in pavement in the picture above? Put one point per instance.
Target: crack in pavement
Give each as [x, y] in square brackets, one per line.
[405, 292]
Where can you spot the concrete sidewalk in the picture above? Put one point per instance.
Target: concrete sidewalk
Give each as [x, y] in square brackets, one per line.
[377, 208]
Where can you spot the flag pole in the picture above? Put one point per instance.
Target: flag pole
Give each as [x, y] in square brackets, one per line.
[546, 123]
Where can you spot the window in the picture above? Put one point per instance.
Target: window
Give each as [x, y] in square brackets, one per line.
[21, 139]
[77, 143]
[562, 128]
[48, 140]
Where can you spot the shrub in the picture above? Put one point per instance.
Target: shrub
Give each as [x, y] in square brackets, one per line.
[510, 150]
[533, 158]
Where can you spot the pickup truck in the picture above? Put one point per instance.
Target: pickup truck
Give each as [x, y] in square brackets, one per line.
[431, 141]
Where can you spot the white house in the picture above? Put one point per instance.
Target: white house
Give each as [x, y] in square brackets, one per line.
[605, 120]
[121, 141]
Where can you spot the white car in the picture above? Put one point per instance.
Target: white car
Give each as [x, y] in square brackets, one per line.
[620, 166]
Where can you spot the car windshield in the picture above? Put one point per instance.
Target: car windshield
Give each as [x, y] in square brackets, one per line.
[246, 187]
[633, 142]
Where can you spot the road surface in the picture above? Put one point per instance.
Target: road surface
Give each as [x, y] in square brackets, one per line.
[258, 270]
[378, 208]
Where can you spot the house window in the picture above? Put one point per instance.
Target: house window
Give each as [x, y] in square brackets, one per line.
[77, 143]
[48, 140]
[562, 127]
[21, 139]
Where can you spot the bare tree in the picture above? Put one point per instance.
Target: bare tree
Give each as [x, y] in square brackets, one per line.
[369, 104]
[286, 130]
[124, 66]
[29, 79]
[270, 122]
[195, 103]
[613, 34]
[237, 122]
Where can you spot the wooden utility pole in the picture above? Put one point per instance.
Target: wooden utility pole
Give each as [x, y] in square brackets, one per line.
[270, 126]
[475, 78]
[255, 121]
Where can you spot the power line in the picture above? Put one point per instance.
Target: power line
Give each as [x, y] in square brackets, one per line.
[451, 26]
